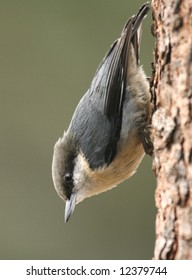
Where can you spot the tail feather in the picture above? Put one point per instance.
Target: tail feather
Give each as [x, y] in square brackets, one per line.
[136, 22]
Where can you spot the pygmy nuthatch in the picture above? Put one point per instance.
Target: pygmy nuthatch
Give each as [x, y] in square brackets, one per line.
[108, 134]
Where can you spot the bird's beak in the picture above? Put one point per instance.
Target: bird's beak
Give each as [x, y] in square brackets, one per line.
[70, 206]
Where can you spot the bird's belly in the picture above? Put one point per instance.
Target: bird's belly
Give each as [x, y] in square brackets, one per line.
[123, 166]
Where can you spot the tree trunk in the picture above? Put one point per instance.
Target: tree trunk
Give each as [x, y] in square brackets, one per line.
[172, 127]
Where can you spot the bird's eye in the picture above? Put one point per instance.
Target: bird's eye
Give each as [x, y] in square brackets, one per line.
[68, 177]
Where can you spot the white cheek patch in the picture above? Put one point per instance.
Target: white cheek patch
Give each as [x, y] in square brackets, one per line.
[81, 172]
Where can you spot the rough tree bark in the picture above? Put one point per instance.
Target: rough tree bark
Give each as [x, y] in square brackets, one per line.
[172, 127]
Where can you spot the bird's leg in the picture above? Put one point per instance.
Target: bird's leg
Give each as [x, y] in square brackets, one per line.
[146, 140]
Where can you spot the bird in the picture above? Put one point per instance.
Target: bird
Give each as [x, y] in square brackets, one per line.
[109, 132]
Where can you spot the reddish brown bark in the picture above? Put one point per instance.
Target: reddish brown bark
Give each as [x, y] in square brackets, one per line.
[172, 127]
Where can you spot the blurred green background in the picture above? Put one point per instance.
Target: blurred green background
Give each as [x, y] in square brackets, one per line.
[49, 52]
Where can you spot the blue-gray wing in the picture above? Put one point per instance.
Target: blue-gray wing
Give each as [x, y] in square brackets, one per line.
[97, 120]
